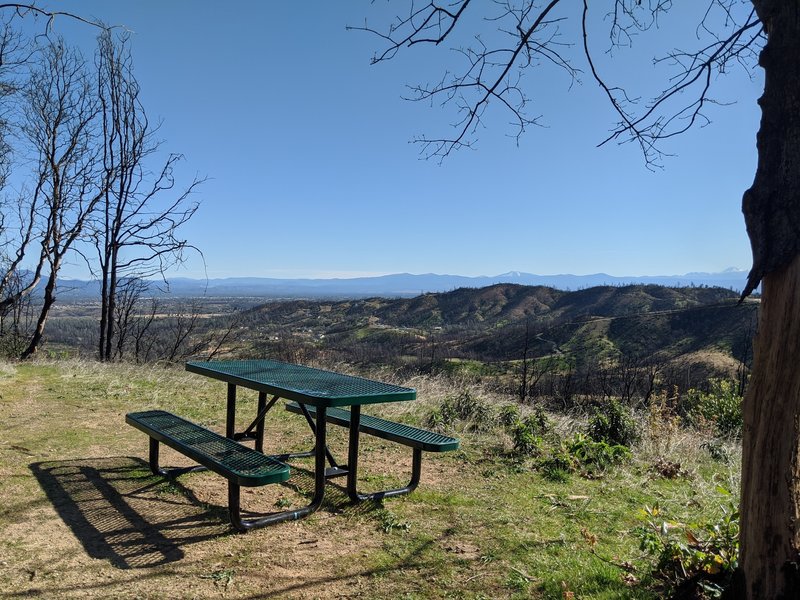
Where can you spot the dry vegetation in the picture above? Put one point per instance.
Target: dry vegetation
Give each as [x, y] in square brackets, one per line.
[83, 517]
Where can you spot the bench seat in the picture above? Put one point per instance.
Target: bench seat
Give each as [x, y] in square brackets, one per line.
[240, 464]
[388, 430]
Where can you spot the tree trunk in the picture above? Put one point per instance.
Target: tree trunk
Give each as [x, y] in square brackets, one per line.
[103, 311]
[770, 502]
[47, 304]
[111, 304]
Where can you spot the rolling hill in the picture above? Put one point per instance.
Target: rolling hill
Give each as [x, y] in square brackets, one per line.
[704, 328]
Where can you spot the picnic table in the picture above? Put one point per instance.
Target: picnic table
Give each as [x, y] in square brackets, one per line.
[322, 397]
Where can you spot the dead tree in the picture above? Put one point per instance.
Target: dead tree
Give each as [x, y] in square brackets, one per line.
[61, 112]
[19, 225]
[730, 33]
[136, 230]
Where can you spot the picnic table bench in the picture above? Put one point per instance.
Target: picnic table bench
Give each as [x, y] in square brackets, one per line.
[418, 439]
[240, 465]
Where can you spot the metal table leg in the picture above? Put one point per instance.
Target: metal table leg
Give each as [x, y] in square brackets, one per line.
[352, 464]
[289, 515]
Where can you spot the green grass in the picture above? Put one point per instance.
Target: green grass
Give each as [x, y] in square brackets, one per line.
[480, 525]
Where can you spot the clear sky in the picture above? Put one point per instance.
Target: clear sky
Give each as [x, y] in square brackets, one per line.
[312, 174]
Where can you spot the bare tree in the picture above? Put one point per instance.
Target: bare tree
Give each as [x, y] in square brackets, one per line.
[61, 111]
[136, 232]
[129, 299]
[731, 32]
[18, 233]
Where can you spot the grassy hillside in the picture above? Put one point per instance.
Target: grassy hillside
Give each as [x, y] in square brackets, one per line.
[82, 516]
[681, 328]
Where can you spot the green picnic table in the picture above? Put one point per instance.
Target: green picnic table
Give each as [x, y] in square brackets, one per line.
[322, 397]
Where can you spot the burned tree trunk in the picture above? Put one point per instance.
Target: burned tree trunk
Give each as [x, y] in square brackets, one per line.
[770, 503]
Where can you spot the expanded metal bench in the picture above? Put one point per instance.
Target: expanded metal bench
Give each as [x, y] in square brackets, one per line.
[418, 439]
[240, 465]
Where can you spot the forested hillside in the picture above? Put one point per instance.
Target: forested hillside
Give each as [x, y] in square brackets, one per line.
[686, 334]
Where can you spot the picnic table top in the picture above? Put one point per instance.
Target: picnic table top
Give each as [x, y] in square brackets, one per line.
[302, 384]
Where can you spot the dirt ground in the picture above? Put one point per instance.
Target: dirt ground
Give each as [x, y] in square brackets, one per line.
[82, 517]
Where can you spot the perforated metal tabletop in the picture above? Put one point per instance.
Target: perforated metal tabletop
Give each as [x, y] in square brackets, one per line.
[302, 384]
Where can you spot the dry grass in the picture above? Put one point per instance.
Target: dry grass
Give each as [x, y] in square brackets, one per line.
[82, 516]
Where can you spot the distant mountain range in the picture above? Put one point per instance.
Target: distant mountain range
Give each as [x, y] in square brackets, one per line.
[405, 284]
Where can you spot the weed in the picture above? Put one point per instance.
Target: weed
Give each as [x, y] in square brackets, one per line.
[464, 407]
[703, 554]
[717, 451]
[223, 578]
[508, 416]
[669, 469]
[663, 422]
[518, 581]
[538, 422]
[720, 406]
[526, 440]
[613, 424]
[390, 522]
[596, 456]
[557, 465]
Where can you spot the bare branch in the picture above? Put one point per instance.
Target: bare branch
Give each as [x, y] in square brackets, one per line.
[492, 74]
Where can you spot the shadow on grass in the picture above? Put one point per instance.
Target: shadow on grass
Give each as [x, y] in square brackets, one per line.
[121, 513]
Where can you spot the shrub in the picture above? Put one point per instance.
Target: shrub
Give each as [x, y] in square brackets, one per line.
[538, 422]
[612, 423]
[527, 442]
[697, 558]
[509, 416]
[557, 465]
[596, 456]
[464, 407]
[721, 406]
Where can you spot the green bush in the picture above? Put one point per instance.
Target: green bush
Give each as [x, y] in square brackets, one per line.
[696, 558]
[557, 465]
[464, 407]
[580, 454]
[596, 456]
[526, 440]
[721, 406]
[612, 423]
[509, 416]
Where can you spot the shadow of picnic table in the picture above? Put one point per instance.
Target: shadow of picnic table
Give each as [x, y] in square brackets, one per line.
[120, 513]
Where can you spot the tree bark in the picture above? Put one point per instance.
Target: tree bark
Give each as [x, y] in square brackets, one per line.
[770, 501]
[47, 304]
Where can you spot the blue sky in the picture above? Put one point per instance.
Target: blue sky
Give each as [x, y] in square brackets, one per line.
[312, 174]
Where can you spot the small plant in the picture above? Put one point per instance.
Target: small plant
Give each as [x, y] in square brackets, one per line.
[390, 522]
[668, 469]
[464, 407]
[720, 406]
[509, 416]
[526, 440]
[663, 422]
[717, 451]
[220, 578]
[612, 423]
[701, 555]
[539, 422]
[557, 465]
[596, 456]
